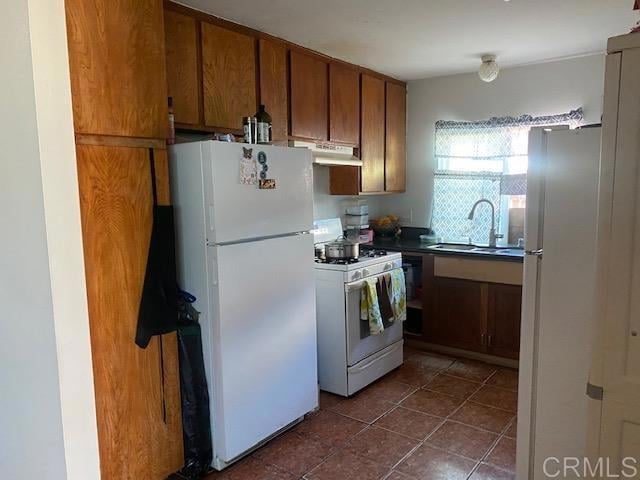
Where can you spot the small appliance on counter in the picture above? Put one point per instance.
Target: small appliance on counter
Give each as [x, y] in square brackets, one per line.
[349, 356]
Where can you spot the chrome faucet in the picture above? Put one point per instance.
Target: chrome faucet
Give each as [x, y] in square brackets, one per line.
[492, 233]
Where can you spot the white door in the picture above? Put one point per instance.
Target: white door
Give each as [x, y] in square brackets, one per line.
[558, 292]
[262, 340]
[617, 363]
[240, 212]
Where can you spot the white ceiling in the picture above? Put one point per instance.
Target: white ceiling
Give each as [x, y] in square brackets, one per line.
[411, 39]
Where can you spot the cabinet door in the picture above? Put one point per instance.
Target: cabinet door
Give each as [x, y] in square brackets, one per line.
[181, 40]
[135, 438]
[117, 66]
[273, 86]
[309, 94]
[372, 134]
[396, 137]
[457, 313]
[503, 332]
[229, 76]
[344, 104]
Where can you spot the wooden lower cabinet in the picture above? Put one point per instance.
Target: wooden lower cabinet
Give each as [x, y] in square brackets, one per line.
[468, 314]
[504, 318]
[457, 315]
[136, 440]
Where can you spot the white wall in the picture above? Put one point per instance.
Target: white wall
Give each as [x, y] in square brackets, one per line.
[541, 89]
[47, 408]
[332, 206]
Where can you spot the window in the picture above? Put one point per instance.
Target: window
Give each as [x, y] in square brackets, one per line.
[486, 159]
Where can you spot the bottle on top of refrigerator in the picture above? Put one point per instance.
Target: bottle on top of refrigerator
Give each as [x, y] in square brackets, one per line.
[172, 123]
[249, 127]
[264, 126]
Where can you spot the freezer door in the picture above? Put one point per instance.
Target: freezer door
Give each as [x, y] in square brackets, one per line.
[262, 340]
[239, 212]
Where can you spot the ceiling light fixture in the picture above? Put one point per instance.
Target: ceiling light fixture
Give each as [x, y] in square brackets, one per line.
[489, 69]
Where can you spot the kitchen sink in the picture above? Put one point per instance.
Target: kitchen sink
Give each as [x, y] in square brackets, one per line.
[474, 249]
[453, 247]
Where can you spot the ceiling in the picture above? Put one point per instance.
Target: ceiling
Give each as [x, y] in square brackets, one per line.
[411, 39]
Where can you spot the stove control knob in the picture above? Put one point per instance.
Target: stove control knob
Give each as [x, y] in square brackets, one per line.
[365, 272]
[356, 275]
[388, 266]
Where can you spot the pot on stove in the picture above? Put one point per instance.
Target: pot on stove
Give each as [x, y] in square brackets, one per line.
[341, 249]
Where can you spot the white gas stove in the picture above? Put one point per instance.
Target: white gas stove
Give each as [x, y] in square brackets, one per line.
[349, 357]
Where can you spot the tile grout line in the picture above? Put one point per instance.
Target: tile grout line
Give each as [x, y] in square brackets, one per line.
[442, 420]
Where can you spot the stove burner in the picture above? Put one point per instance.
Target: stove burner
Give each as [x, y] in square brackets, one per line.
[374, 253]
[342, 261]
[349, 261]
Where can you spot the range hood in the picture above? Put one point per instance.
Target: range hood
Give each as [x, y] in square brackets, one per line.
[330, 154]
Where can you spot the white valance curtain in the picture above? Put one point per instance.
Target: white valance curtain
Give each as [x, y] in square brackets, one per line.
[483, 159]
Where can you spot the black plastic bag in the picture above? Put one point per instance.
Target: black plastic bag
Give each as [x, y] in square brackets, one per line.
[196, 426]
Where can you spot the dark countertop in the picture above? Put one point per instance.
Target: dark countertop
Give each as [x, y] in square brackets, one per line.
[411, 244]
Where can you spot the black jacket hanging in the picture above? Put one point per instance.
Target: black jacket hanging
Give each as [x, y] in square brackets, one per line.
[158, 313]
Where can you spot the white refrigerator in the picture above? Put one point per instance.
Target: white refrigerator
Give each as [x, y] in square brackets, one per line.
[247, 255]
[557, 305]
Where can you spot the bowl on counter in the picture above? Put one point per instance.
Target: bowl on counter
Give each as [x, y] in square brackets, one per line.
[388, 226]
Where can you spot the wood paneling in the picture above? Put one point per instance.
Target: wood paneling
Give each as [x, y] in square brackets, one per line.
[183, 66]
[117, 65]
[396, 138]
[229, 76]
[372, 134]
[504, 318]
[309, 96]
[273, 86]
[115, 200]
[344, 104]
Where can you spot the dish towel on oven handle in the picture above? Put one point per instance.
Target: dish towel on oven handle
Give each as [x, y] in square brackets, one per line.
[369, 308]
[398, 295]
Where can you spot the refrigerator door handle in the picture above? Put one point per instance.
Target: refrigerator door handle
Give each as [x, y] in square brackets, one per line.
[535, 253]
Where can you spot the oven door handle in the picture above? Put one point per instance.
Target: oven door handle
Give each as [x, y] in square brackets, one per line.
[348, 287]
[360, 368]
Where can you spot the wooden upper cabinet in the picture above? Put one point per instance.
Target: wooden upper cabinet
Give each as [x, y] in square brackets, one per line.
[229, 76]
[372, 134]
[396, 137]
[309, 95]
[181, 42]
[344, 104]
[273, 86]
[117, 66]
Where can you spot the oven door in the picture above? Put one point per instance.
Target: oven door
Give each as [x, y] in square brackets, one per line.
[360, 343]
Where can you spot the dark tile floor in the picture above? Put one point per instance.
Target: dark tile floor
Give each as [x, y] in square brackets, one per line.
[434, 418]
